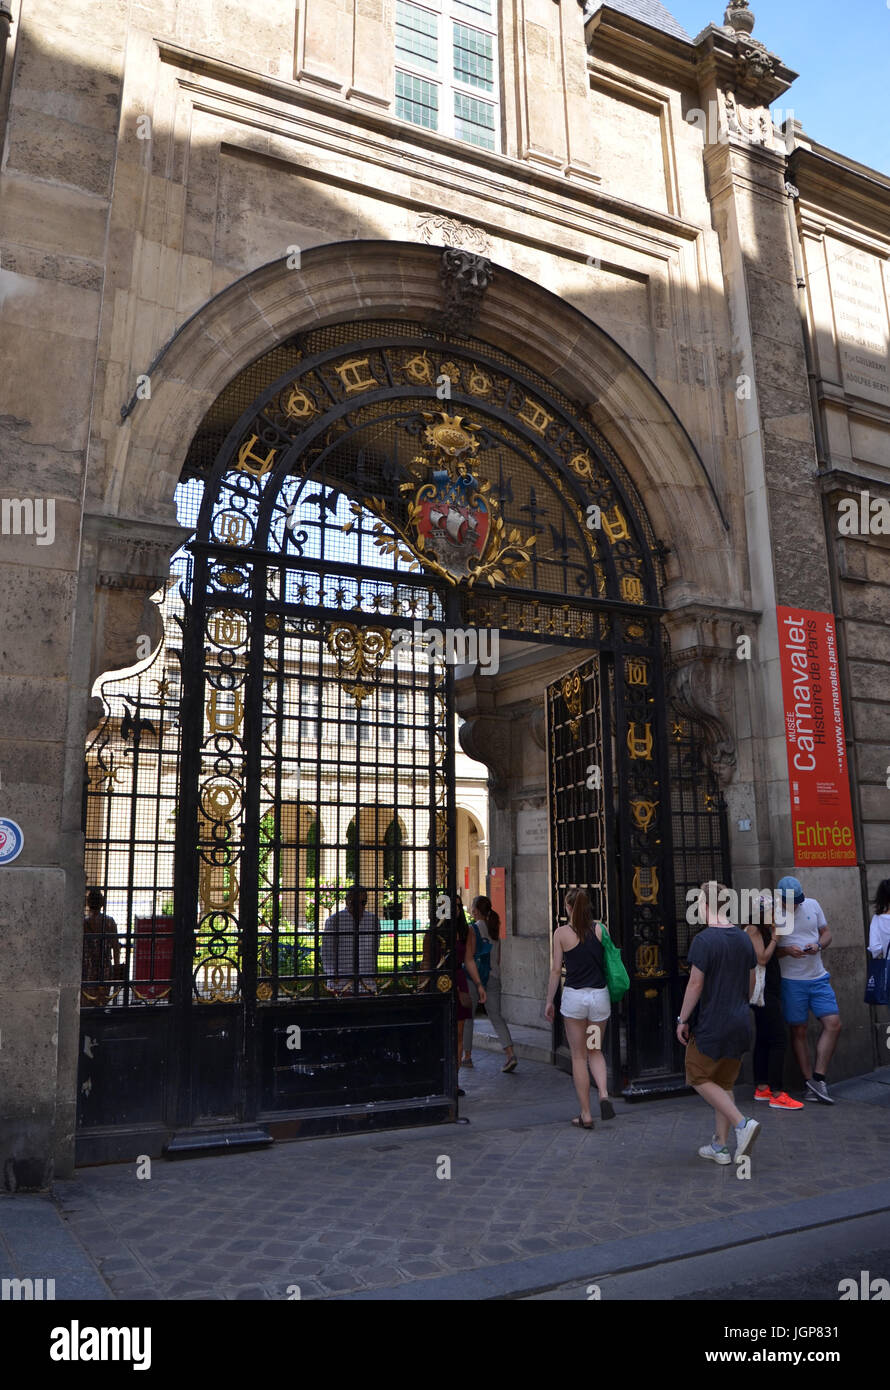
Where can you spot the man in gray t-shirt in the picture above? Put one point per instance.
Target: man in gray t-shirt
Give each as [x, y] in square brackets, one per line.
[714, 1023]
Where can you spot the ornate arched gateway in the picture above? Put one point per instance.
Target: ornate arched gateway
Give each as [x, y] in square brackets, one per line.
[367, 500]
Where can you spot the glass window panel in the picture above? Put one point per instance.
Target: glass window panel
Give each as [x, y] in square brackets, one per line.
[474, 121]
[417, 101]
[475, 9]
[473, 57]
[417, 36]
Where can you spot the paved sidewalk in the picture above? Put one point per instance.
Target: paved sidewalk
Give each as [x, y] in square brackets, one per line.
[530, 1203]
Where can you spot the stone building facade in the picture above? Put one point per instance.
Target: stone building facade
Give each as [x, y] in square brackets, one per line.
[594, 198]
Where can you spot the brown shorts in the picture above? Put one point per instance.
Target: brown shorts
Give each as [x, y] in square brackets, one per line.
[699, 1068]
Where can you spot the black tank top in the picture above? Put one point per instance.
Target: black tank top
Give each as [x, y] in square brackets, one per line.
[585, 964]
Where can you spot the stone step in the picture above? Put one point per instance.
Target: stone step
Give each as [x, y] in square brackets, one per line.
[533, 1044]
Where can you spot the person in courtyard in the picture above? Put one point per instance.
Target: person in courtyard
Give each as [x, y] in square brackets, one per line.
[486, 927]
[806, 989]
[714, 1023]
[771, 1035]
[436, 951]
[585, 1005]
[467, 971]
[349, 946]
[100, 950]
[879, 927]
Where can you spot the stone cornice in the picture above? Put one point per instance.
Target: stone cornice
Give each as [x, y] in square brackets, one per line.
[738, 62]
[332, 124]
[840, 482]
[826, 180]
[628, 41]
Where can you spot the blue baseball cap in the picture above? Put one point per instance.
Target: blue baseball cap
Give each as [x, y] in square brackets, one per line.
[792, 885]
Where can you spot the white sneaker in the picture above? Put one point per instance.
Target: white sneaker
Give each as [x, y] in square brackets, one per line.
[745, 1136]
[715, 1154]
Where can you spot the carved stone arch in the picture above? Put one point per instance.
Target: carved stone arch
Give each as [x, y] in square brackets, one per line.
[363, 279]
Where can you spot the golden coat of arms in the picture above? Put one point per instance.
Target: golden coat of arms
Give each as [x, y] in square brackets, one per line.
[453, 521]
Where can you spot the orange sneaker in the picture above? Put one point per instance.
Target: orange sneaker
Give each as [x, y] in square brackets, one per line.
[783, 1101]
[763, 1093]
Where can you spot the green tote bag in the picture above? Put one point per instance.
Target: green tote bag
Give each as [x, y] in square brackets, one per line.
[617, 978]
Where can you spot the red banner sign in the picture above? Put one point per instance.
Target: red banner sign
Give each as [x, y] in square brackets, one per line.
[821, 815]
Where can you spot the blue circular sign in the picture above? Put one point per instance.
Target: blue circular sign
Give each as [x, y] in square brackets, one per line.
[12, 841]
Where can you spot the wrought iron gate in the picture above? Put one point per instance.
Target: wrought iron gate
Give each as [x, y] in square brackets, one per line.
[352, 495]
[637, 819]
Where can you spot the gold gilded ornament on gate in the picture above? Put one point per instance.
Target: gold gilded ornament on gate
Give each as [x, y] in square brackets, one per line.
[219, 800]
[649, 962]
[352, 377]
[225, 719]
[632, 589]
[643, 812]
[571, 693]
[233, 527]
[299, 405]
[420, 369]
[582, 464]
[360, 651]
[251, 462]
[645, 896]
[615, 525]
[637, 669]
[215, 893]
[227, 628]
[640, 745]
[534, 416]
[479, 383]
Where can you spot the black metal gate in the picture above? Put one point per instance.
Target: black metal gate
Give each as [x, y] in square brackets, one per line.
[637, 819]
[358, 497]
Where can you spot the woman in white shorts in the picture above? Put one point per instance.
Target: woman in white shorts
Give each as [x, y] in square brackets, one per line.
[585, 1005]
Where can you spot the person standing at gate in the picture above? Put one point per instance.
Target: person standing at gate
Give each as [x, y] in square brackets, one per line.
[486, 927]
[100, 950]
[350, 945]
[806, 989]
[585, 1005]
[879, 927]
[770, 1033]
[714, 1023]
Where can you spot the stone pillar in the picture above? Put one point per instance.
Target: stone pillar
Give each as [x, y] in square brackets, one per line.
[746, 168]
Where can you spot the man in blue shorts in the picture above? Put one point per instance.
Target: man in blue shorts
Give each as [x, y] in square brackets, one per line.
[806, 988]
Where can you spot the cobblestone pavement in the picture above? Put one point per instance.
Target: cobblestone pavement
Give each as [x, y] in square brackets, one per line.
[343, 1216]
